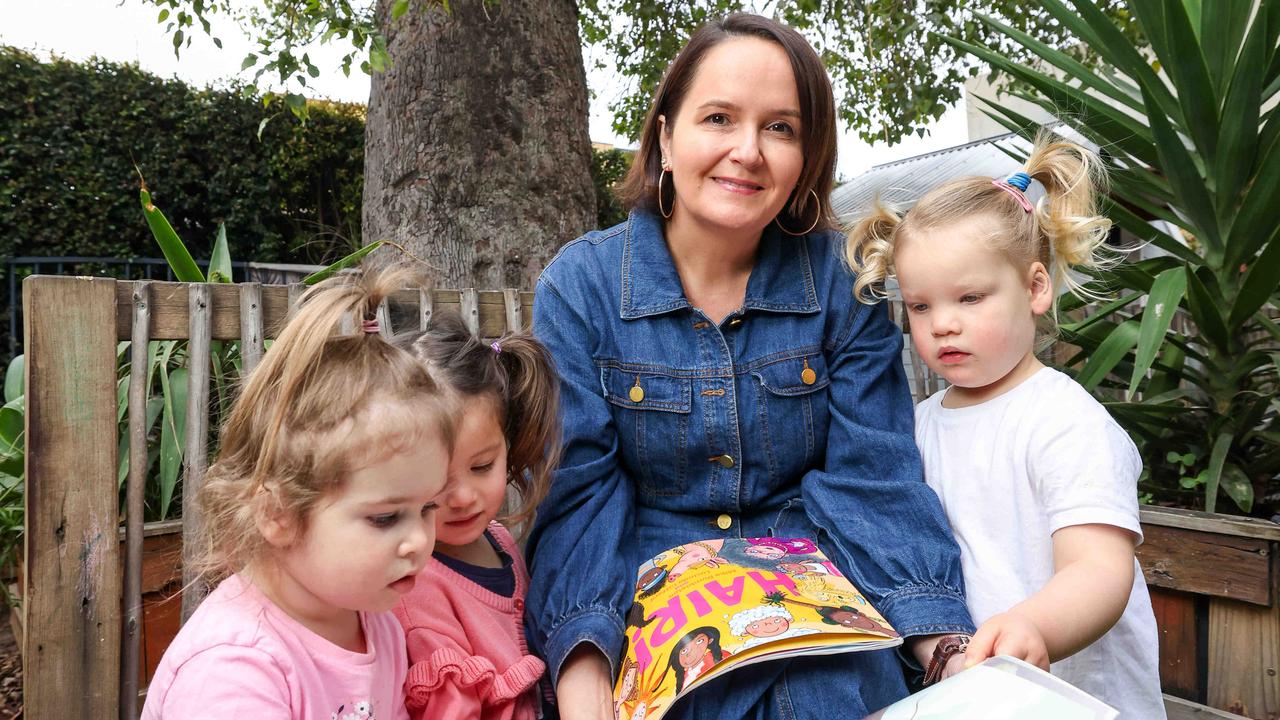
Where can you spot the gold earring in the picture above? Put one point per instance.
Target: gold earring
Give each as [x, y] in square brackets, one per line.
[816, 217]
[666, 214]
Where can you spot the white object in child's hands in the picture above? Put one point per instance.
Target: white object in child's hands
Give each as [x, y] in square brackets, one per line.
[1002, 688]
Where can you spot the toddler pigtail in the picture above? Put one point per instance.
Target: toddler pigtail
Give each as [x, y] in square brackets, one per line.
[1070, 229]
[532, 420]
[869, 253]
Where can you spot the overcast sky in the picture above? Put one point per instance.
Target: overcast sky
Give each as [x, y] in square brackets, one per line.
[127, 31]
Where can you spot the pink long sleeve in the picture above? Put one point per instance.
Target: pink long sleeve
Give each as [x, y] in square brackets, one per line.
[467, 653]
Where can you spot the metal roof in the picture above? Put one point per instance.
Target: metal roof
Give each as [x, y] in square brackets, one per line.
[900, 183]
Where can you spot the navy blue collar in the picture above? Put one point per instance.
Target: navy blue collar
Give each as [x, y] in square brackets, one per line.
[781, 281]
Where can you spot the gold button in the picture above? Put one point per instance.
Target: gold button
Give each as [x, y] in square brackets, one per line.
[735, 322]
[636, 394]
[724, 522]
[725, 461]
[808, 376]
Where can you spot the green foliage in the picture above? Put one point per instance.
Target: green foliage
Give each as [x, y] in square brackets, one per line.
[280, 28]
[1193, 139]
[608, 168]
[893, 73]
[70, 135]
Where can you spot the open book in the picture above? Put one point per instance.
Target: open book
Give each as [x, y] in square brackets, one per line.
[705, 608]
[1002, 688]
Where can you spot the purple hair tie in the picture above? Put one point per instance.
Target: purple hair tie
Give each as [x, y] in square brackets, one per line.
[497, 349]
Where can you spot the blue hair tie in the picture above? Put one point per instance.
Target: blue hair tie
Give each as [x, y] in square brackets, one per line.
[1020, 180]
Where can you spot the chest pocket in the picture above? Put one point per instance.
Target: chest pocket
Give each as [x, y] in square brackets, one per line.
[652, 412]
[792, 401]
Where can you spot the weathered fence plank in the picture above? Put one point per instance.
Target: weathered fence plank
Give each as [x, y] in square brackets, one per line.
[139, 361]
[1244, 658]
[1225, 566]
[169, 312]
[1176, 617]
[71, 644]
[195, 455]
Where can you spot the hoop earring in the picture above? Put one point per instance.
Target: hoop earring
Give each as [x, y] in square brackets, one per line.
[816, 217]
[666, 214]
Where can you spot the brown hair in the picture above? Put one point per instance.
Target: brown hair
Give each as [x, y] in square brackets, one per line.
[1063, 231]
[321, 405]
[519, 377]
[817, 111]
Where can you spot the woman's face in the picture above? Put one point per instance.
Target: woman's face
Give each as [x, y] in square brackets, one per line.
[734, 147]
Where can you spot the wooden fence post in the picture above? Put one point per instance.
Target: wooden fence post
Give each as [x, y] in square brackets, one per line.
[71, 648]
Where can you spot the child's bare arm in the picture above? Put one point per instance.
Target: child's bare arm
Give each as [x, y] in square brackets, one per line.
[1092, 579]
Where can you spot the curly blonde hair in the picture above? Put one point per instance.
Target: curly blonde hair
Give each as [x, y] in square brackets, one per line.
[1064, 230]
[321, 405]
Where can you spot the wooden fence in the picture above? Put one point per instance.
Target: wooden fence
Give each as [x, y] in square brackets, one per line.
[81, 643]
[82, 616]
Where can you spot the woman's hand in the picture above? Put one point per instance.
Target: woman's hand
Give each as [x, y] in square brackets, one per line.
[1012, 634]
[584, 691]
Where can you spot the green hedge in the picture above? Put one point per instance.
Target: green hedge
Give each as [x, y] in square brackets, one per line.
[71, 132]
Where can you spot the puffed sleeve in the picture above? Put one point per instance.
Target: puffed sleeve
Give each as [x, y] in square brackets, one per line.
[446, 680]
[871, 492]
[579, 573]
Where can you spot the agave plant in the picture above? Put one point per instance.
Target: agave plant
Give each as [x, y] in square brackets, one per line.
[1187, 351]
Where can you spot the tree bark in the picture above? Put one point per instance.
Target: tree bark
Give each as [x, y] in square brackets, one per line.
[477, 157]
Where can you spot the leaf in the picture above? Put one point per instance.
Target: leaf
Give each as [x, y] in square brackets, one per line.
[1179, 165]
[1162, 304]
[180, 261]
[12, 427]
[346, 262]
[1216, 459]
[400, 7]
[1237, 486]
[1109, 353]
[1260, 283]
[1182, 58]
[249, 61]
[1238, 135]
[1204, 310]
[173, 425]
[220, 262]
[15, 378]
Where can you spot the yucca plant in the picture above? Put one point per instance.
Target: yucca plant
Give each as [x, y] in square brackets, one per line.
[1186, 352]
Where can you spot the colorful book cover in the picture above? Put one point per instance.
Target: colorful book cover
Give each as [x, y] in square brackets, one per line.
[707, 607]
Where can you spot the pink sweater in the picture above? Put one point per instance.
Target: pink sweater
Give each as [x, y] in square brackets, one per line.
[467, 653]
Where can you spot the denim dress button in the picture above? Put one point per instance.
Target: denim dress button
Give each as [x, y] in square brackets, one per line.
[726, 461]
[724, 521]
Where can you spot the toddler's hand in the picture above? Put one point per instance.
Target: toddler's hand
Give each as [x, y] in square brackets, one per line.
[1008, 634]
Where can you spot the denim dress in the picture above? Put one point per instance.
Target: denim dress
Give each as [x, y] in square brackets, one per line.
[791, 417]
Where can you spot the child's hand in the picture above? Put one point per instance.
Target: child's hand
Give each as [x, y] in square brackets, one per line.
[1008, 634]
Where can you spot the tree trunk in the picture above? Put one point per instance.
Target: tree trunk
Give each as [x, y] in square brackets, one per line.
[477, 157]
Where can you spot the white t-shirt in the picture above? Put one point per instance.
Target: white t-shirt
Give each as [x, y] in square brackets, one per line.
[1012, 471]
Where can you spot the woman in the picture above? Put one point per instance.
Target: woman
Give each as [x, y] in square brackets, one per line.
[719, 380]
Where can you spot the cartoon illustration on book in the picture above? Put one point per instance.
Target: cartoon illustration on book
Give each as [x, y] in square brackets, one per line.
[764, 623]
[705, 608]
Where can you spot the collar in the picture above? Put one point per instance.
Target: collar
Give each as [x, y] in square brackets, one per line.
[781, 281]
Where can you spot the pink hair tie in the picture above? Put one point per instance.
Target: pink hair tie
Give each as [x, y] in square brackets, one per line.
[497, 349]
[1015, 192]
[371, 326]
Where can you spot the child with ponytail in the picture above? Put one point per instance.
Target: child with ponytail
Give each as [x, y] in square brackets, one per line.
[1037, 480]
[318, 515]
[465, 618]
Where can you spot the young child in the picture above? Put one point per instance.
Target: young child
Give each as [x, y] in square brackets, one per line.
[465, 618]
[1038, 482]
[320, 513]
